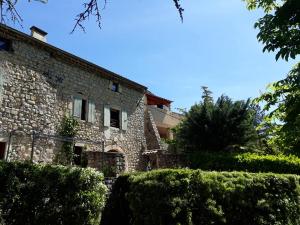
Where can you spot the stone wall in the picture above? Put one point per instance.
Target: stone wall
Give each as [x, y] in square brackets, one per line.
[161, 160]
[151, 132]
[37, 91]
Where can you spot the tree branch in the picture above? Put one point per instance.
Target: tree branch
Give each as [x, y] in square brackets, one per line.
[9, 12]
[91, 8]
[179, 8]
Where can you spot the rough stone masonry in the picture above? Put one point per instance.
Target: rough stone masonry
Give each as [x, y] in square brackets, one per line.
[40, 84]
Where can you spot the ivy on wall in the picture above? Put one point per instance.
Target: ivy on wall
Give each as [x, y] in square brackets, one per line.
[68, 129]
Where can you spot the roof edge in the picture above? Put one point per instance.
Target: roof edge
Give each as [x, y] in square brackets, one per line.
[70, 58]
[150, 94]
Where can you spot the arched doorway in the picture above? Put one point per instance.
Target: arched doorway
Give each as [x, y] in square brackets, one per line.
[114, 161]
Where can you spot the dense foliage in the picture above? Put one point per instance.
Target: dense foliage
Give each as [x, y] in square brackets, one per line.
[250, 162]
[210, 126]
[50, 195]
[282, 123]
[187, 197]
[279, 29]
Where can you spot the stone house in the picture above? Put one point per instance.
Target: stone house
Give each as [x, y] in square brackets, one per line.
[41, 84]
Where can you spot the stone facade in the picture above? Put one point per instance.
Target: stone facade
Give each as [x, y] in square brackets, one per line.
[38, 87]
[152, 136]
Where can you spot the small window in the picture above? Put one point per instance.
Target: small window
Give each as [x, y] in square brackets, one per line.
[115, 87]
[160, 106]
[2, 150]
[4, 44]
[77, 155]
[114, 118]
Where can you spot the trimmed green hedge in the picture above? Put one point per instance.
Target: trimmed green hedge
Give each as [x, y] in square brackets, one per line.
[250, 162]
[194, 197]
[50, 195]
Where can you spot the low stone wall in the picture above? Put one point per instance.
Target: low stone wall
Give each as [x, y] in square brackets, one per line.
[161, 160]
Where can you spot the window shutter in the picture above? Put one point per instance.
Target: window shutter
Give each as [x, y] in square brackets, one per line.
[77, 107]
[106, 116]
[91, 117]
[124, 120]
[1, 77]
[70, 108]
[120, 88]
[110, 85]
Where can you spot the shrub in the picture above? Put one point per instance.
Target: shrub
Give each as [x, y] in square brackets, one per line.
[187, 197]
[250, 162]
[50, 195]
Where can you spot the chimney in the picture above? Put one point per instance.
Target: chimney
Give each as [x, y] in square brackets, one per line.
[38, 33]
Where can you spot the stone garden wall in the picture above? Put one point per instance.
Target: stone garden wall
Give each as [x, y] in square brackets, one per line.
[162, 160]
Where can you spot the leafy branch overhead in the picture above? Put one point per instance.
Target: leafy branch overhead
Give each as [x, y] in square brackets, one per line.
[279, 29]
[91, 8]
[282, 102]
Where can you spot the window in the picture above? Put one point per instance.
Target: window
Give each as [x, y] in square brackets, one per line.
[160, 106]
[2, 150]
[84, 109]
[77, 155]
[4, 44]
[115, 87]
[114, 118]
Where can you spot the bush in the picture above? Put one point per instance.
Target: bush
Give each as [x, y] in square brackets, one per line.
[187, 197]
[50, 195]
[250, 162]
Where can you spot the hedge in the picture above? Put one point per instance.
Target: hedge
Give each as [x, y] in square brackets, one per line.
[49, 195]
[250, 162]
[194, 197]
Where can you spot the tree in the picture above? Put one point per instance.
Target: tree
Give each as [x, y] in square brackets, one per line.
[210, 126]
[207, 95]
[283, 121]
[91, 8]
[279, 29]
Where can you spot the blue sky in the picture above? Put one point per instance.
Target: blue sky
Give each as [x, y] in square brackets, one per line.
[215, 46]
